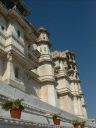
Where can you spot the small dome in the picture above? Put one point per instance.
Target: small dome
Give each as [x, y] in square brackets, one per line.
[42, 29]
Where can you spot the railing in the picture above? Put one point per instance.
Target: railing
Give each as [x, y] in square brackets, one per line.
[18, 123]
[41, 116]
[11, 123]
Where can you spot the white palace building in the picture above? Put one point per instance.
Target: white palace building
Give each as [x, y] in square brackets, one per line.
[47, 81]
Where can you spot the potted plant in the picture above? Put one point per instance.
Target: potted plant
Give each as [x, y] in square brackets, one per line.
[15, 107]
[82, 124]
[75, 123]
[56, 119]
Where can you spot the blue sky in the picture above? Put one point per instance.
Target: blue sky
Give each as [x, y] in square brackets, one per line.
[72, 24]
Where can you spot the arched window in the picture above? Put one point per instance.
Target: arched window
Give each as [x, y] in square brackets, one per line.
[16, 72]
[18, 33]
[2, 27]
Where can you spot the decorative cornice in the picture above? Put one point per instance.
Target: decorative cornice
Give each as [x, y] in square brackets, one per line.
[45, 58]
[64, 91]
[56, 55]
[43, 42]
[62, 76]
[47, 79]
[24, 61]
[76, 94]
[63, 56]
[75, 81]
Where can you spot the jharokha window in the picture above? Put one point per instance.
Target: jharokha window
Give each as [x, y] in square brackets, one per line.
[2, 28]
[16, 72]
[18, 33]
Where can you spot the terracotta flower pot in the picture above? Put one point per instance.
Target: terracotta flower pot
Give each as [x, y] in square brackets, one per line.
[15, 113]
[75, 125]
[56, 121]
[82, 125]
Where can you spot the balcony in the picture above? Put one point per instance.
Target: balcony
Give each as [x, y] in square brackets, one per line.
[34, 54]
[13, 43]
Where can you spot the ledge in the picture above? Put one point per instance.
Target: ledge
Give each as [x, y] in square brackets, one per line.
[18, 122]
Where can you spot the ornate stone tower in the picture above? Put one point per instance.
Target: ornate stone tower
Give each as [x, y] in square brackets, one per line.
[65, 98]
[46, 69]
[70, 96]
[75, 86]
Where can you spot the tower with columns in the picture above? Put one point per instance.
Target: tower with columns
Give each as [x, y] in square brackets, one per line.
[70, 96]
[59, 77]
[46, 69]
[30, 69]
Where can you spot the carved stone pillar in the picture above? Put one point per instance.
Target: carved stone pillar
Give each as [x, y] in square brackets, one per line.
[80, 107]
[76, 105]
[84, 107]
[46, 69]
[9, 72]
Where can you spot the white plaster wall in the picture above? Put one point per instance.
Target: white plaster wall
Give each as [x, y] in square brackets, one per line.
[17, 27]
[13, 27]
[24, 83]
[17, 42]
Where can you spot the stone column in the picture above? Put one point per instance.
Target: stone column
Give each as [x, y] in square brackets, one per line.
[9, 73]
[85, 112]
[76, 105]
[84, 107]
[80, 107]
[52, 96]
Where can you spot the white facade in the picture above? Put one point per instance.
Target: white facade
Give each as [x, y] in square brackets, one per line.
[27, 65]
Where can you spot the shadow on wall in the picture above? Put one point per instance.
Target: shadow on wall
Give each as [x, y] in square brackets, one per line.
[32, 87]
